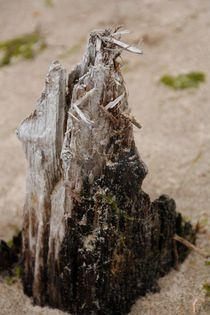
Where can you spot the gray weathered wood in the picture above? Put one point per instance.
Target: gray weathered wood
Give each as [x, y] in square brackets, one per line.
[42, 137]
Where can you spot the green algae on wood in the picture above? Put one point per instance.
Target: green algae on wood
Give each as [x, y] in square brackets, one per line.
[116, 209]
[184, 81]
[18, 272]
[26, 46]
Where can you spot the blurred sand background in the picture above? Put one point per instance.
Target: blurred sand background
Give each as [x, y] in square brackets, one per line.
[174, 141]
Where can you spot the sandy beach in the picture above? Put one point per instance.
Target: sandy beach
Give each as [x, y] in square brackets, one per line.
[174, 141]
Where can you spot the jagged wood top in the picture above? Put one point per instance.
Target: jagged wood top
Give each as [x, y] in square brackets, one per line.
[98, 107]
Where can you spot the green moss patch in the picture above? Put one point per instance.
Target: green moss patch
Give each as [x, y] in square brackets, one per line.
[49, 3]
[16, 275]
[184, 81]
[11, 281]
[204, 221]
[26, 46]
[206, 287]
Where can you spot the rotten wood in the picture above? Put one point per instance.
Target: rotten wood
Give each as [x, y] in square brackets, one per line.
[92, 239]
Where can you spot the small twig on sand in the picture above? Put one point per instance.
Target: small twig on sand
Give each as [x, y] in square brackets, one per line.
[176, 255]
[189, 245]
[193, 305]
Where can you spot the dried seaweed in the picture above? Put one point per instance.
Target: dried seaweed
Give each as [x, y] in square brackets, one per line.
[26, 46]
[184, 81]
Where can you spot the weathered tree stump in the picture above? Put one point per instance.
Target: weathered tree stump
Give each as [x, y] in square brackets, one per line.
[92, 240]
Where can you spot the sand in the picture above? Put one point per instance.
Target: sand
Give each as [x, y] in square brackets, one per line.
[174, 141]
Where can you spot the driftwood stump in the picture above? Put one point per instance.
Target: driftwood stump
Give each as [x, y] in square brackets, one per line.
[92, 240]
